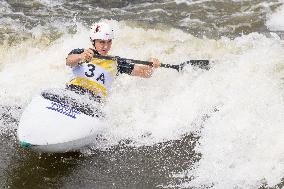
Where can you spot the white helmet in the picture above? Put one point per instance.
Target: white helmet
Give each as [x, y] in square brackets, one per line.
[101, 31]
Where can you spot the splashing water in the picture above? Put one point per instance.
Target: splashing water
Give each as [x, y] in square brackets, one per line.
[241, 96]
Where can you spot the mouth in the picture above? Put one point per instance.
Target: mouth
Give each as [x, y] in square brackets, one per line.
[103, 52]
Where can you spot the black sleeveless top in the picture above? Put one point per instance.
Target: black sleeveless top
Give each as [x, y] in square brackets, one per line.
[122, 66]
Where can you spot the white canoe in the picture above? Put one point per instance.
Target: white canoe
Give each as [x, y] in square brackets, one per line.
[50, 123]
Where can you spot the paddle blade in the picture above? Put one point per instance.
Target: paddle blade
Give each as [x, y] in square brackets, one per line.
[203, 64]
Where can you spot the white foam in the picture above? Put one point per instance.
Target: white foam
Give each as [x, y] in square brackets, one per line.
[51, 3]
[242, 145]
[5, 7]
[189, 21]
[190, 2]
[275, 20]
[29, 67]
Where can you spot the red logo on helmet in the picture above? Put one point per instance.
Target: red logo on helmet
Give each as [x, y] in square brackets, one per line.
[98, 28]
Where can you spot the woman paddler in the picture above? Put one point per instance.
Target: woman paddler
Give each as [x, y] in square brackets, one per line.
[95, 75]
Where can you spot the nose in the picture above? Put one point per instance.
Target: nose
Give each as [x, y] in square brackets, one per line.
[107, 45]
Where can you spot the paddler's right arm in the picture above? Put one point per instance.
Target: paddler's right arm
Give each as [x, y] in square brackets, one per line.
[78, 56]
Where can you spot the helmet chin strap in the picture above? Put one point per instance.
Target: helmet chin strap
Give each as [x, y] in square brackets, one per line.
[94, 50]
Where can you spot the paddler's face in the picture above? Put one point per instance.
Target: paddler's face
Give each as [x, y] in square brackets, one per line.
[102, 46]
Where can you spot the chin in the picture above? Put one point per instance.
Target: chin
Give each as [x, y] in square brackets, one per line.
[103, 53]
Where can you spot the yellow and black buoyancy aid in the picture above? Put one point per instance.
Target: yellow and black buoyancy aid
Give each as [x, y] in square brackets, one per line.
[95, 76]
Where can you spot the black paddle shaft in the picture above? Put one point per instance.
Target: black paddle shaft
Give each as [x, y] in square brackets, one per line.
[203, 64]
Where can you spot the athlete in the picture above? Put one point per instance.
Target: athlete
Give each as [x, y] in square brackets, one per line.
[94, 75]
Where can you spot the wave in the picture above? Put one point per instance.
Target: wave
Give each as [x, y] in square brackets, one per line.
[244, 84]
[275, 20]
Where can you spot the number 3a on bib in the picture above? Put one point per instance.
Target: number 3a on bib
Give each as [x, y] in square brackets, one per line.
[91, 73]
[96, 76]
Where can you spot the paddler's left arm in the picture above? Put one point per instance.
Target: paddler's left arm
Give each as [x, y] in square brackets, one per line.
[145, 71]
[139, 70]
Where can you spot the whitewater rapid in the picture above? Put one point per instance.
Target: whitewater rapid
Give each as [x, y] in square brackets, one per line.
[242, 141]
